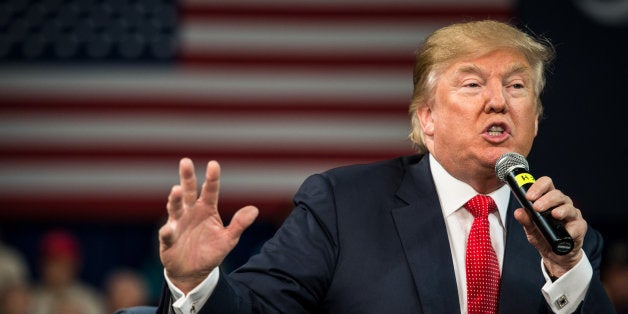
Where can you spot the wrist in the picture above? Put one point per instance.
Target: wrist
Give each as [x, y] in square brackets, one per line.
[551, 275]
[186, 283]
[555, 269]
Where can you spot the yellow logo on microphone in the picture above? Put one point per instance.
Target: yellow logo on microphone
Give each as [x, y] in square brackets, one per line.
[524, 178]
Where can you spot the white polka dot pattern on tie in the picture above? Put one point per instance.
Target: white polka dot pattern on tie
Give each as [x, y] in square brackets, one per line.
[481, 261]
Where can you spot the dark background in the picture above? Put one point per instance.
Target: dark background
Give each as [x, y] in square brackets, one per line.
[581, 141]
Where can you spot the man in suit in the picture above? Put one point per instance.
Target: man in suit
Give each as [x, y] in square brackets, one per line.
[391, 237]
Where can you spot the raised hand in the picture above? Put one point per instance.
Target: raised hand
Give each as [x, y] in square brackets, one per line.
[194, 240]
[545, 196]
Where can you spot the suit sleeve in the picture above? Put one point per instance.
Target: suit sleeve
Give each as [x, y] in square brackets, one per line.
[596, 299]
[293, 270]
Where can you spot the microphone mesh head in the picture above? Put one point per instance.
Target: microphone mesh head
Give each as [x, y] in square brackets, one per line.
[509, 161]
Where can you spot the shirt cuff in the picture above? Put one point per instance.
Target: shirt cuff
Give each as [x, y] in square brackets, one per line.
[565, 294]
[193, 301]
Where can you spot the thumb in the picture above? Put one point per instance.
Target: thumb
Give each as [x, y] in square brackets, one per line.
[242, 219]
[524, 219]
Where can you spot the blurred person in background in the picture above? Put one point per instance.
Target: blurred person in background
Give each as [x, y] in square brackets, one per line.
[13, 267]
[15, 296]
[125, 288]
[16, 299]
[60, 289]
[615, 275]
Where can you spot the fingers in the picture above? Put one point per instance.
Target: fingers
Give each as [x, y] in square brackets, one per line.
[211, 187]
[524, 219]
[566, 213]
[166, 236]
[189, 194]
[544, 196]
[553, 200]
[539, 188]
[175, 203]
[188, 181]
[241, 220]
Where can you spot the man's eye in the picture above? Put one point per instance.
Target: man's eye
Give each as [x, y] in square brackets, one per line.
[518, 86]
[472, 85]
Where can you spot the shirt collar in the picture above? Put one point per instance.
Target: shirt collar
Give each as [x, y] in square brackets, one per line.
[453, 193]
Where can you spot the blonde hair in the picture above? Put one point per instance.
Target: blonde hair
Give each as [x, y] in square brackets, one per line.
[471, 38]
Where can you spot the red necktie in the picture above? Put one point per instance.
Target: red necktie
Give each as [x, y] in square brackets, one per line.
[481, 260]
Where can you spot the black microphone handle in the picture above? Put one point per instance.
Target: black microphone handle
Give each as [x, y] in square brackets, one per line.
[553, 230]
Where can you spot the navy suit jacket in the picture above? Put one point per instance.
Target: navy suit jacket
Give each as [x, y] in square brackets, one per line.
[372, 239]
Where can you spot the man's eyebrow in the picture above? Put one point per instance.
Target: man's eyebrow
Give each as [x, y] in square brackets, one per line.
[469, 69]
[517, 68]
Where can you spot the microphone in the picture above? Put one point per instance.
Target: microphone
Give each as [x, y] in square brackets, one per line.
[512, 169]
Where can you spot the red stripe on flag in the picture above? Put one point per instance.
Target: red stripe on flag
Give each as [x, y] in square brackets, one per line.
[103, 209]
[46, 153]
[363, 11]
[45, 103]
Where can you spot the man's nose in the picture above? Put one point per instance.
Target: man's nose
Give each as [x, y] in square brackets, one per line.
[495, 97]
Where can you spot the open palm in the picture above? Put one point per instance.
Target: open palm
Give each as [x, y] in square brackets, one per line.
[194, 240]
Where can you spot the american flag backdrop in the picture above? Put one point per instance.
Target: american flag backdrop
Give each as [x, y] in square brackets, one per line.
[101, 98]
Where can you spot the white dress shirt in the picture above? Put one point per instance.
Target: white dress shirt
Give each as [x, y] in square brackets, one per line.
[192, 302]
[453, 194]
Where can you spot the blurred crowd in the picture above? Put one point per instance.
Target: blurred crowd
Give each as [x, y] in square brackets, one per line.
[615, 274]
[58, 287]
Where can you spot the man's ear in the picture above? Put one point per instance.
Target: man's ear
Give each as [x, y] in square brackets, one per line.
[424, 113]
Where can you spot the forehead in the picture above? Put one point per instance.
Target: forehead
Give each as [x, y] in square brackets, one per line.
[501, 61]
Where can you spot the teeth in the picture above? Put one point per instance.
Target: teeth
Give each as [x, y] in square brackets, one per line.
[495, 130]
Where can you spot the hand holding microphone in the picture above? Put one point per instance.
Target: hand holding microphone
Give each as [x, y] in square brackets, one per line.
[512, 168]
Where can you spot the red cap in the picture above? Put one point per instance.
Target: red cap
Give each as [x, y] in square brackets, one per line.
[59, 243]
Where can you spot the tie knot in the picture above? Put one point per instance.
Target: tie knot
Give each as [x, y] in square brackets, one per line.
[481, 205]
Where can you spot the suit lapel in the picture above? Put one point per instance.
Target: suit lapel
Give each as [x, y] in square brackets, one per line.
[521, 273]
[425, 242]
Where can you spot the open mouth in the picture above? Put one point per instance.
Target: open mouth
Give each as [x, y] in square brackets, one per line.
[495, 130]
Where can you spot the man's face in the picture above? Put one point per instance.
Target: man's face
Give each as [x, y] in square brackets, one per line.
[482, 107]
